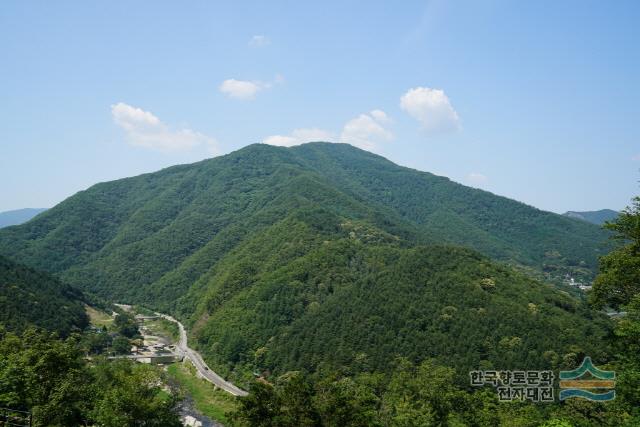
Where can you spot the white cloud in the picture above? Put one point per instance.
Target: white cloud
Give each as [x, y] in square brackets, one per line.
[259, 41]
[240, 89]
[366, 130]
[130, 118]
[245, 89]
[636, 158]
[363, 131]
[144, 129]
[299, 136]
[432, 108]
[477, 179]
[380, 116]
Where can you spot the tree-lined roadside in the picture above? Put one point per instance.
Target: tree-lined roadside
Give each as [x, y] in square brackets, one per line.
[203, 370]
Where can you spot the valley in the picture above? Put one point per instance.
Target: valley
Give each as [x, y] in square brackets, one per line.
[319, 214]
[195, 358]
[203, 403]
[298, 269]
[206, 399]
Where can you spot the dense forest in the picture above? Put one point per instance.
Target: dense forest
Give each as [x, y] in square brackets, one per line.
[421, 395]
[141, 238]
[427, 394]
[31, 298]
[52, 379]
[363, 299]
[345, 283]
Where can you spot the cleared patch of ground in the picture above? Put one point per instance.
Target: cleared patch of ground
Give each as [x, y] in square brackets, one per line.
[97, 317]
[163, 327]
[214, 403]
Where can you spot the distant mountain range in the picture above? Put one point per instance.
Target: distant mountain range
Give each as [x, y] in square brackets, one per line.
[18, 216]
[594, 217]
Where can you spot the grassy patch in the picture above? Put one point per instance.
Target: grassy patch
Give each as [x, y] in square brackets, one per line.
[163, 327]
[211, 402]
[97, 317]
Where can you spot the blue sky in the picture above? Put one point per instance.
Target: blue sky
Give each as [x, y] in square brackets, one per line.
[537, 101]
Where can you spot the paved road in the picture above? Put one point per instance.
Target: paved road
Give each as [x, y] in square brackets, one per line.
[200, 365]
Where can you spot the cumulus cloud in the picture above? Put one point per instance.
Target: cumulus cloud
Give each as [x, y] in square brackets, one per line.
[299, 136]
[366, 130]
[477, 179]
[363, 131]
[245, 89]
[380, 116]
[432, 108]
[143, 129]
[240, 89]
[259, 41]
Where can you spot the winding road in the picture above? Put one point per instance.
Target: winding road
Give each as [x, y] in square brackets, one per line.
[201, 366]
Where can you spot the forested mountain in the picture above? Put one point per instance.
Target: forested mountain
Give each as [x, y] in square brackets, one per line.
[325, 255]
[32, 298]
[594, 217]
[18, 216]
[355, 302]
[155, 229]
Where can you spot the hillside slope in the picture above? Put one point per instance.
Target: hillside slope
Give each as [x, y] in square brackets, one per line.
[323, 256]
[500, 227]
[353, 297]
[31, 298]
[164, 230]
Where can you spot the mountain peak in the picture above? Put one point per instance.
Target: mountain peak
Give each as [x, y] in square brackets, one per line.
[213, 201]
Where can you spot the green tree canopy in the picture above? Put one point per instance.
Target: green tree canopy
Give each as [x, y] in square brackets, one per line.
[619, 278]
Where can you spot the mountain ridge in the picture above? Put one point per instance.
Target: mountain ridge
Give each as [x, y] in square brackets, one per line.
[18, 216]
[149, 216]
[271, 246]
[598, 217]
